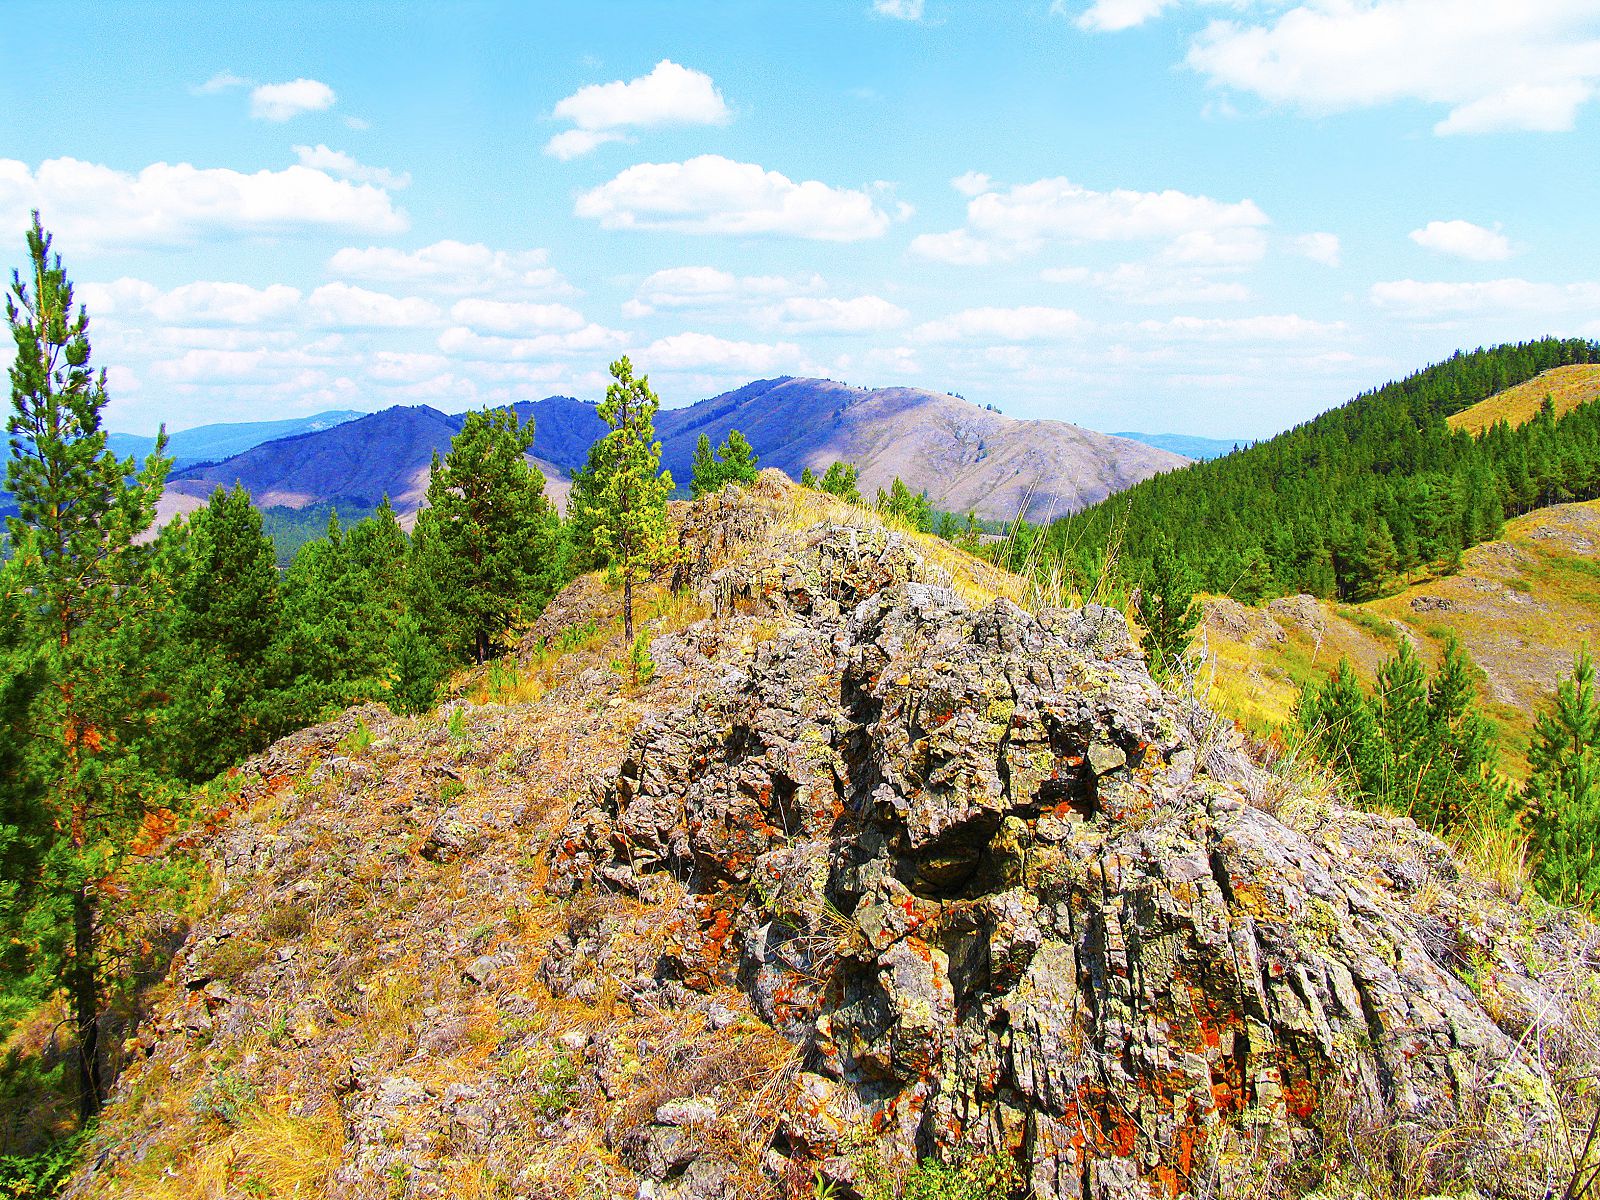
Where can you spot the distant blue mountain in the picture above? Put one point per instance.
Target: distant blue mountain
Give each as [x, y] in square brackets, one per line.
[1184, 444]
[212, 443]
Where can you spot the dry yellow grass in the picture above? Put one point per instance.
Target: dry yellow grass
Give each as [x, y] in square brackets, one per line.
[1567, 387]
[1521, 608]
[271, 1152]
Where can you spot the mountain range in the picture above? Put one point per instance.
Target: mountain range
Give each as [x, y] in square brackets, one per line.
[211, 443]
[966, 457]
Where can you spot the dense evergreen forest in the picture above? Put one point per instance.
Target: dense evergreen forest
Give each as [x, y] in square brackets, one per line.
[1353, 501]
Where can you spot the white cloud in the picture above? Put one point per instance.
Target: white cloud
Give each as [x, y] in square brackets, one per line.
[710, 288]
[396, 368]
[1144, 283]
[900, 10]
[715, 195]
[817, 314]
[281, 101]
[337, 162]
[1004, 225]
[1540, 108]
[1270, 328]
[1026, 324]
[222, 81]
[1111, 16]
[1433, 301]
[575, 143]
[464, 343]
[341, 306]
[208, 304]
[1319, 247]
[1152, 283]
[669, 95]
[1216, 248]
[451, 266]
[958, 248]
[224, 304]
[972, 183]
[1464, 240]
[94, 206]
[1497, 66]
[510, 317]
[694, 351]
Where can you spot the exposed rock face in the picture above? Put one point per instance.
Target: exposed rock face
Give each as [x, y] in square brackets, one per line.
[1014, 899]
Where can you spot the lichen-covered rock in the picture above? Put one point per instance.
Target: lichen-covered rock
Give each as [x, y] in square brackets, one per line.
[1014, 899]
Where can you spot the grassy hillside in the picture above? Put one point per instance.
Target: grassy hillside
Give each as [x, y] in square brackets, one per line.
[1567, 387]
[1521, 606]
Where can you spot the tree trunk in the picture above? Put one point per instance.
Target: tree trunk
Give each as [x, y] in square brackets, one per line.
[85, 992]
[627, 606]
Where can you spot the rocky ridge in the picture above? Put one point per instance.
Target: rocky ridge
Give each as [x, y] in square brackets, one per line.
[882, 867]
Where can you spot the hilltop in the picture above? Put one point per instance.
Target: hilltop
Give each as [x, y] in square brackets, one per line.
[1566, 387]
[965, 456]
[1521, 606]
[881, 868]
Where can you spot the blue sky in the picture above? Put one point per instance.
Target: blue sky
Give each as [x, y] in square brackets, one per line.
[1204, 216]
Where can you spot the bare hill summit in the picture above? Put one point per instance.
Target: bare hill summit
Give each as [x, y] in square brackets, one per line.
[882, 867]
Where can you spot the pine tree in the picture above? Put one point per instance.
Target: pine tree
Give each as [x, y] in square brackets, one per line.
[626, 508]
[1562, 796]
[840, 479]
[24, 829]
[732, 462]
[216, 649]
[1167, 609]
[418, 668]
[487, 538]
[81, 513]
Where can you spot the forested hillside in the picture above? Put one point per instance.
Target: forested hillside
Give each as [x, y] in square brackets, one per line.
[1357, 498]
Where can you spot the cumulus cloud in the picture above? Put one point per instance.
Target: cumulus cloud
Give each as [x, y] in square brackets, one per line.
[900, 10]
[1319, 247]
[819, 314]
[1005, 224]
[1113, 16]
[1426, 301]
[715, 195]
[464, 343]
[283, 101]
[1463, 239]
[1030, 323]
[669, 95]
[452, 266]
[211, 304]
[1524, 66]
[702, 351]
[516, 318]
[710, 288]
[337, 162]
[99, 207]
[341, 306]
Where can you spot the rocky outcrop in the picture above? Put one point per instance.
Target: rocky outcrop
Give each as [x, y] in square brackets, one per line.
[1014, 899]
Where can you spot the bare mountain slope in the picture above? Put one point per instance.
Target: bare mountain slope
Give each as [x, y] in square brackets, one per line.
[387, 453]
[966, 456]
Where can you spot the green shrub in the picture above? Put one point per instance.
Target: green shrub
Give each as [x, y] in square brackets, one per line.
[40, 1174]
